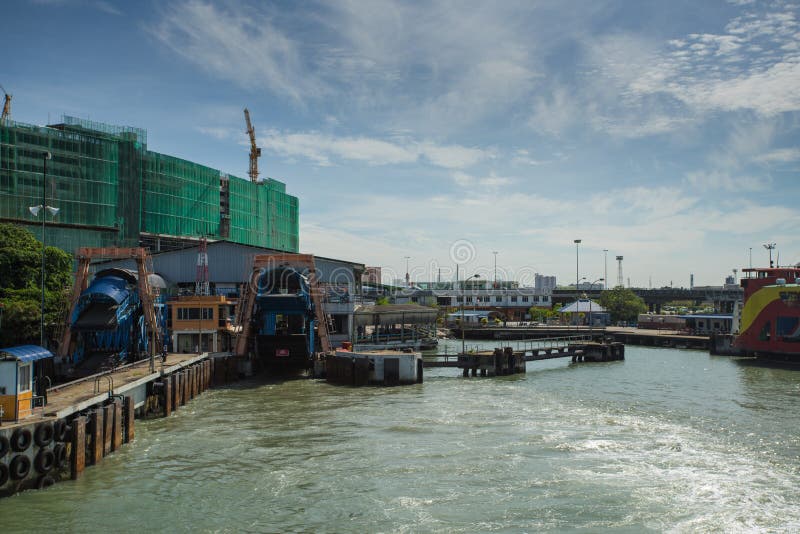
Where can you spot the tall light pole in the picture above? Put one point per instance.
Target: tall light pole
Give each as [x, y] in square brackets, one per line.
[43, 208]
[463, 299]
[577, 265]
[408, 277]
[605, 267]
[495, 268]
[751, 261]
[770, 247]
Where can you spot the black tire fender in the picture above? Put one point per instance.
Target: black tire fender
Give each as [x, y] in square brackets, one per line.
[19, 467]
[45, 481]
[60, 430]
[3, 474]
[21, 439]
[5, 446]
[60, 454]
[43, 435]
[44, 461]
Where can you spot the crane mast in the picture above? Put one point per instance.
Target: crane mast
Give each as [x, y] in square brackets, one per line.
[6, 107]
[255, 152]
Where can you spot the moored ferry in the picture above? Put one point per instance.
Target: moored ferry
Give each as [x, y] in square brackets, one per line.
[770, 318]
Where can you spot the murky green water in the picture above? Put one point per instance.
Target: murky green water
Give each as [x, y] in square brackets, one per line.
[665, 440]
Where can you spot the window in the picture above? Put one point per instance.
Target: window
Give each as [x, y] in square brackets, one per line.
[192, 314]
[24, 382]
[498, 299]
[536, 299]
[459, 299]
[524, 299]
[208, 313]
[469, 299]
[513, 299]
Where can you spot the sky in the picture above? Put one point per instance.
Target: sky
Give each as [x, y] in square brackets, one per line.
[435, 134]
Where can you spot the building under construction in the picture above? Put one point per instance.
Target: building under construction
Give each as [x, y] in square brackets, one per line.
[112, 191]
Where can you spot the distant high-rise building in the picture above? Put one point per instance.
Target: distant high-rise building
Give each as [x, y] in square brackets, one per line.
[543, 283]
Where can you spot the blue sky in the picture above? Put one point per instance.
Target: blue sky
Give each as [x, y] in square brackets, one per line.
[666, 132]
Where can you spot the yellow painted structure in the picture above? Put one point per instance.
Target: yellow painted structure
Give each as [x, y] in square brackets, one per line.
[16, 380]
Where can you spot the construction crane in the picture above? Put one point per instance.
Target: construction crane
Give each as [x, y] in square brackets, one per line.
[255, 152]
[6, 107]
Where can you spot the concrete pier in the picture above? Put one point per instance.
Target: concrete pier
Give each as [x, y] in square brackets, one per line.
[88, 419]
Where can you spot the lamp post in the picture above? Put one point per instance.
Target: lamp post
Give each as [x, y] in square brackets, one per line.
[770, 247]
[463, 298]
[577, 264]
[43, 208]
[408, 277]
[605, 267]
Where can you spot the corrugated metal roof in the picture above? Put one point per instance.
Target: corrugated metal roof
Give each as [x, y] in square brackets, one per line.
[25, 353]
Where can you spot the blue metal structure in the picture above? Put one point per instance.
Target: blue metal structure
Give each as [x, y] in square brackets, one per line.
[284, 318]
[108, 318]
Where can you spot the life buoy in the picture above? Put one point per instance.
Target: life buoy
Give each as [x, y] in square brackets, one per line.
[60, 430]
[21, 439]
[19, 467]
[44, 461]
[3, 475]
[43, 435]
[45, 481]
[5, 446]
[60, 454]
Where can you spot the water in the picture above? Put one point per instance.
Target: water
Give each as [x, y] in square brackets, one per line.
[666, 440]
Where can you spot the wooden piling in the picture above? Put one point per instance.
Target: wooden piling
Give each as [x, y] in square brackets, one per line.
[108, 427]
[130, 413]
[78, 455]
[116, 432]
[168, 396]
[96, 424]
[186, 389]
[178, 390]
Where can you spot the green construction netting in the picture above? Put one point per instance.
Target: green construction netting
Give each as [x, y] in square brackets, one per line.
[110, 189]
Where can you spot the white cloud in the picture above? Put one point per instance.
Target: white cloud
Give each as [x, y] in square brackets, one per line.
[717, 180]
[780, 155]
[324, 149]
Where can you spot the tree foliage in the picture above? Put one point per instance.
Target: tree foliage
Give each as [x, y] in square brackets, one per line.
[20, 289]
[622, 304]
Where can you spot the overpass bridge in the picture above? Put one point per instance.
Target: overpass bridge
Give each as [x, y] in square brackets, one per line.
[722, 297]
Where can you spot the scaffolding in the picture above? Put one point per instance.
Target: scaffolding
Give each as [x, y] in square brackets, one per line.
[111, 189]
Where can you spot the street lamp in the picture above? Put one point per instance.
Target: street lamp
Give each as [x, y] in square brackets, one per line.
[408, 278]
[577, 270]
[770, 247]
[463, 299]
[44, 209]
[605, 267]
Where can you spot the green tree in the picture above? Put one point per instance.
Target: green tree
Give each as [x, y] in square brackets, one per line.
[20, 279]
[622, 304]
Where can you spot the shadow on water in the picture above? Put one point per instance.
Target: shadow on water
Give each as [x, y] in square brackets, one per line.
[767, 364]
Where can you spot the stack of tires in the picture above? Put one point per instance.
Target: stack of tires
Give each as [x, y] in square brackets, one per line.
[36, 453]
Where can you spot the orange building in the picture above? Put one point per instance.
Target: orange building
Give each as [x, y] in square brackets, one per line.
[201, 323]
